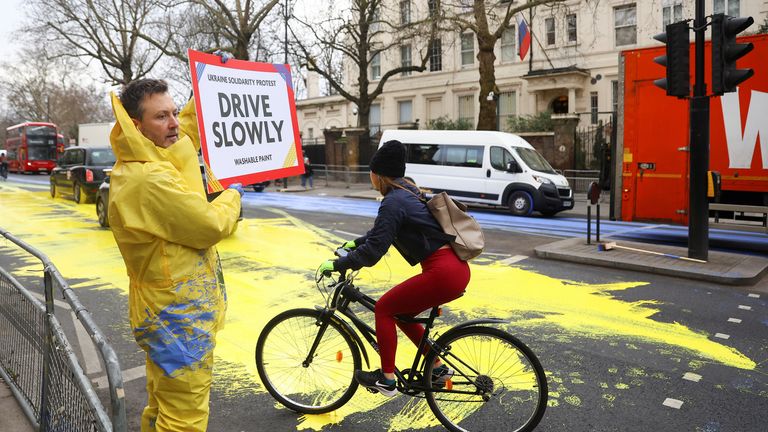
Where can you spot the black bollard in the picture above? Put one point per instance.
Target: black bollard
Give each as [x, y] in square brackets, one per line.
[597, 222]
[589, 224]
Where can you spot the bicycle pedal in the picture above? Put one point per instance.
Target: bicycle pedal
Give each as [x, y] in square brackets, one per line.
[374, 391]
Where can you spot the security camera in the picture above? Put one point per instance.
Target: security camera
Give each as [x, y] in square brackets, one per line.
[490, 96]
[354, 111]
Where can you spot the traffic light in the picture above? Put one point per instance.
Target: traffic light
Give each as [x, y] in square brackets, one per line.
[725, 52]
[677, 60]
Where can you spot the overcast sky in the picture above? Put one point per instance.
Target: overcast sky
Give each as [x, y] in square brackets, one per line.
[10, 20]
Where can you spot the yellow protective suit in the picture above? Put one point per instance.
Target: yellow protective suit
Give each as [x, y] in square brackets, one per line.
[167, 231]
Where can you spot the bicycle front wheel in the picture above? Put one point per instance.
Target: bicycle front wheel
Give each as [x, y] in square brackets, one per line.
[318, 384]
[498, 383]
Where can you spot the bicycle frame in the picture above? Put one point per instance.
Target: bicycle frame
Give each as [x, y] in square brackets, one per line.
[345, 294]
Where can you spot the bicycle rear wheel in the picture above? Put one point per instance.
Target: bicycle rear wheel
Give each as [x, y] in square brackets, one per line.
[327, 381]
[498, 383]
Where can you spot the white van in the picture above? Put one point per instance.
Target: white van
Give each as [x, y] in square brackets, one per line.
[484, 167]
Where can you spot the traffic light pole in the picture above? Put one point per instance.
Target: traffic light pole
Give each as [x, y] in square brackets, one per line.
[698, 217]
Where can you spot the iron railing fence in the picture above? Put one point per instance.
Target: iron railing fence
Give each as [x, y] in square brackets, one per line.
[581, 179]
[39, 364]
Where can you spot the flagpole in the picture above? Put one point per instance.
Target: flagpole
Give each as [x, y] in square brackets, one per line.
[530, 29]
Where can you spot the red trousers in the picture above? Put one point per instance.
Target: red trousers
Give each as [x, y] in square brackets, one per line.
[443, 278]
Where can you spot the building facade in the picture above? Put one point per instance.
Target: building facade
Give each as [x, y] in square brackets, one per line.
[570, 68]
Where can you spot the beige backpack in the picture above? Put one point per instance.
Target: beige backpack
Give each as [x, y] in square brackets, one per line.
[453, 218]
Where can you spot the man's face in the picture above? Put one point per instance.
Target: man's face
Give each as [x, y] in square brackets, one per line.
[158, 121]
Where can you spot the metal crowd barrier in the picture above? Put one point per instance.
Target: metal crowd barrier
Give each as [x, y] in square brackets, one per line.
[38, 363]
[581, 179]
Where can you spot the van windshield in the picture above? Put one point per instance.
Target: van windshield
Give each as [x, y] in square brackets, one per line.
[534, 160]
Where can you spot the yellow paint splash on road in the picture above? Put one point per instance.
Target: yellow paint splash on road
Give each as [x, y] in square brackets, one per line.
[269, 267]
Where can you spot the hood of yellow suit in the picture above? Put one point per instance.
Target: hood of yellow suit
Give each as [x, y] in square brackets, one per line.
[130, 145]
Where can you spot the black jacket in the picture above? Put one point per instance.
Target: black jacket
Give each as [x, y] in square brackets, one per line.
[403, 220]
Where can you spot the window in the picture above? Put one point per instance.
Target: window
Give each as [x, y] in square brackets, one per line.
[435, 55]
[310, 133]
[467, 108]
[424, 154]
[376, 66]
[433, 7]
[405, 12]
[376, 20]
[615, 96]
[507, 108]
[405, 58]
[500, 158]
[467, 49]
[463, 156]
[405, 111]
[671, 11]
[571, 22]
[728, 7]
[625, 24]
[374, 119]
[549, 25]
[508, 45]
[593, 107]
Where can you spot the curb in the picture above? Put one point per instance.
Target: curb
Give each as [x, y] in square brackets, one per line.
[722, 267]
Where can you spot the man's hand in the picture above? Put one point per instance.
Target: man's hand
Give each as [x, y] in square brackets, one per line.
[327, 267]
[238, 187]
[225, 56]
[349, 245]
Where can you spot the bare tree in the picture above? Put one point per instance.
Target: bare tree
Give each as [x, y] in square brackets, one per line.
[44, 89]
[210, 25]
[364, 36]
[487, 19]
[106, 31]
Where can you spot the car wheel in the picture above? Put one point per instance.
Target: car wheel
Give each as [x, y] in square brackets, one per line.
[520, 203]
[101, 212]
[258, 187]
[53, 190]
[76, 191]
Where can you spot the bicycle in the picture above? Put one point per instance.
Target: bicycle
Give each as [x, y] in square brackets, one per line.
[306, 359]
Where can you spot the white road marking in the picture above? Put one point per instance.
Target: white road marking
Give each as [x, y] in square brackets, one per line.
[690, 376]
[745, 307]
[90, 356]
[128, 375]
[513, 259]
[722, 336]
[673, 403]
[734, 320]
[754, 295]
[353, 235]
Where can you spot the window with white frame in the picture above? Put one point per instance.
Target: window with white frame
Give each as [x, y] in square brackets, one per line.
[728, 7]
[625, 24]
[405, 12]
[549, 27]
[405, 112]
[507, 108]
[376, 66]
[374, 119]
[467, 108]
[593, 108]
[467, 49]
[508, 45]
[571, 28]
[376, 19]
[405, 58]
[671, 11]
[435, 55]
[432, 5]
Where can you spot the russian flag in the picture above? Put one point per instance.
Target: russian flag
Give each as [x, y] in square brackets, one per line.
[523, 35]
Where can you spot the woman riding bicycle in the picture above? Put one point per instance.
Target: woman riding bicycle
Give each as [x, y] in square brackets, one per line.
[404, 221]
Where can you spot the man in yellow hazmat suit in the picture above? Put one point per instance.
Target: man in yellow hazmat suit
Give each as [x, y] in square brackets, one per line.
[167, 231]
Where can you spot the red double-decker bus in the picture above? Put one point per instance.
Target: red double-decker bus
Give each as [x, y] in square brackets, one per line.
[33, 147]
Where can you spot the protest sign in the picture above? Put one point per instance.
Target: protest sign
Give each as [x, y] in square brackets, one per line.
[247, 119]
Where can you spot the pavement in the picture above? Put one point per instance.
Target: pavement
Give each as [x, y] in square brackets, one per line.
[721, 267]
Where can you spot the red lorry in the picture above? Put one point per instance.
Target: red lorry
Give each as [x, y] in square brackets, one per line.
[653, 138]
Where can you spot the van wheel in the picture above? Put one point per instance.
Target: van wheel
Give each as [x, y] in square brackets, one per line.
[76, 193]
[53, 190]
[520, 203]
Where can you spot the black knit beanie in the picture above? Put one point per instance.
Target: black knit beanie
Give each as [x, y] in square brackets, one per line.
[389, 160]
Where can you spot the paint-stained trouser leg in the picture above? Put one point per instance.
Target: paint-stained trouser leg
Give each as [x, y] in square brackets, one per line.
[180, 403]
